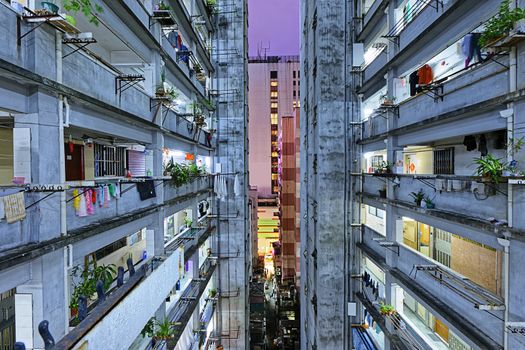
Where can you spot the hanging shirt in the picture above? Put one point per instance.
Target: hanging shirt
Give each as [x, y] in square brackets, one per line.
[82, 207]
[425, 75]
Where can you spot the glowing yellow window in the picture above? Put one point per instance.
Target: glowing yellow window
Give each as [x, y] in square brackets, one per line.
[274, 105]
[273, 83]
[274, 94]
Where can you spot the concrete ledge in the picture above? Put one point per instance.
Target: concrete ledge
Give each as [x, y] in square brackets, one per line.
[485, 226]
[23, 75]
[450, 116]
[32, 251]
[465, 327]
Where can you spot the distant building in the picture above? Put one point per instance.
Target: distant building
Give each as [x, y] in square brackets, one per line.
[273, 92]
[289, 183]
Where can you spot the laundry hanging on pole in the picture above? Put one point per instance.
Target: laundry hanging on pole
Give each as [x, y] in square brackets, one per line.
[14, 207]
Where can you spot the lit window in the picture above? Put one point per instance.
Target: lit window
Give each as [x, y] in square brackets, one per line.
[273, 94]
[273, 83]
[274, 105]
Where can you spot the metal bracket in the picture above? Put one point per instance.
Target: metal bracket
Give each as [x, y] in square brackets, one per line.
[129, 81]
[435, 92]
[82, 43]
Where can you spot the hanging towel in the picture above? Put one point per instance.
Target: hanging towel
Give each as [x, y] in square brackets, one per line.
[457, 185]
[82, 208]
[449, 185]
[224, 188]
[76, 201]
[117, 191]
[100, 196]
[14, 207]
[236, 186]
[440, 184]
[477, 187]
[216, 186]
[2, 212]
[94, 196]
[112, 189]
[107, 197]
[146, 190]
[89, 202]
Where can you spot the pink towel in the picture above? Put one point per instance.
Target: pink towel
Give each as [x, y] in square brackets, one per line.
[106, 197]
[89, 202]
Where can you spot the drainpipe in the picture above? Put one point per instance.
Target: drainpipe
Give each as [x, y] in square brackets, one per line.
[506, 263]
[61, 153]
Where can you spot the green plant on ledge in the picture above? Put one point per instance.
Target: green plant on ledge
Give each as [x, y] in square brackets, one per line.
[490, 168]
[502, 23]
[387, 309]
[418, 196]
[89, 9]
[211, 5]
[429, 203]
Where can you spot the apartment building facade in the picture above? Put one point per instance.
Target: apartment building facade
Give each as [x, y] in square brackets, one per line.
[407, 242]
[273, 93]
[110, 161]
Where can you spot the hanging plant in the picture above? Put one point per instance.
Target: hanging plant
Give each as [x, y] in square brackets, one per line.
[501, 24]
[387, 309]
[89, 9]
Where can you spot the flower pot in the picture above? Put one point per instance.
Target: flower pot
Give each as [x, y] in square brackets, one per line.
[49, 6]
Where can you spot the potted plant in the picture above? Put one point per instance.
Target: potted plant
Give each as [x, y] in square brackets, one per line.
[429, 203]
[161, 6]
[501, 24]
[171, 93]
[164, 330]
[160, 90]
[211, 6]
[418, 196]
[188, 221]
[213, 293]
[148, 329]
[387, 100]
[387, 309]
[490, 168]
[382, 192]
[50, 7]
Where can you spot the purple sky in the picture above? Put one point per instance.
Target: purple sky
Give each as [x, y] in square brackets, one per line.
[274, 23]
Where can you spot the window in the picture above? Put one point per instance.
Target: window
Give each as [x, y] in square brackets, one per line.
[109, 160]
[274, 83]
[273, 74]
[110, 248]
[274, 105]
[376, 212]
[444, 161]
[294, 83]
[294, 76]
[274, 118]
[294, 94]
[273, 94]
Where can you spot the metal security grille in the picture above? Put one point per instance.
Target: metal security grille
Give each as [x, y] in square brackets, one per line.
[109, 160]
[444, 161]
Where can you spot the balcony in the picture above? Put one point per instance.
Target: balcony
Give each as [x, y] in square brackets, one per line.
[129, 201]
[456, 204]
[375, 66]
[464, 195]
[374, 17]
[198, 185]
[375, 125]
[22, 233]
[456, 94]
[483, 329]
[97, 80]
